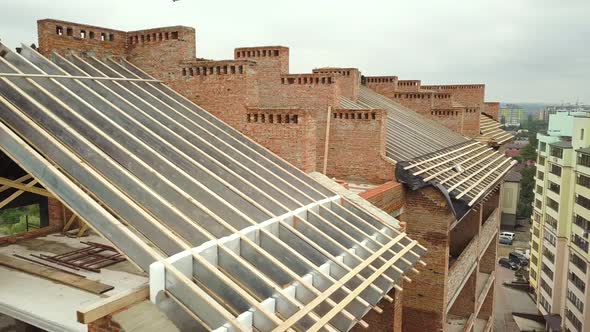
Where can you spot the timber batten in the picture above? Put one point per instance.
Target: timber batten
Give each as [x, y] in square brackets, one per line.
[234, 235]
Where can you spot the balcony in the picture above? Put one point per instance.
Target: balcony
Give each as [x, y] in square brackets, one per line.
[459, 323]
[461, 269]
[488, 231]
[485, 282]
[482, 325]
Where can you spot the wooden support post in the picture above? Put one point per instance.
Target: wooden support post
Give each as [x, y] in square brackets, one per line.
[69, 223]
[327, 141]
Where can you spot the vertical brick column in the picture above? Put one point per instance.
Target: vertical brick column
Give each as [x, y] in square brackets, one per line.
[55, 213]
[424, 301]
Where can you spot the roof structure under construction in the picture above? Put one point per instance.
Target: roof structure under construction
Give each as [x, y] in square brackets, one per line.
[429, 154]
[233, 235]
[492, 132]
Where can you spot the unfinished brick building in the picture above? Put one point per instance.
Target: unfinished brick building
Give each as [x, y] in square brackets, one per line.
[376, 133]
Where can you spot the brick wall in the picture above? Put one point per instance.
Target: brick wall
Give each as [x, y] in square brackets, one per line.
[385, 85]
[290, 133]
[420, 102]
[55, 212]
[159, 51]
[428, 218]
[224, 88]
[464, 305]
[388, 321]
[104, 324]
[348, 80]
[470, 95]
[450, 118]
[492, 109]
[389, 196]
[314, 93]
[408, 85]
[62, 37]
[275, 58]
[471, 122]
[357, 146]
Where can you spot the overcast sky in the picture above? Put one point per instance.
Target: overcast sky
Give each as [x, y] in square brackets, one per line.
[523, 50]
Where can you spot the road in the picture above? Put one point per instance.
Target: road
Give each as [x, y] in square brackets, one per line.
[509, 300]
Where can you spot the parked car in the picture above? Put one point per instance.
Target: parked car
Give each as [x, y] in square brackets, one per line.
[505, 240]
[505, 262]
[508, 235]
[518, 258]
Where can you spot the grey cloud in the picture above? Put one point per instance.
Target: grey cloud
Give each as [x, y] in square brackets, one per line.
[523, 50]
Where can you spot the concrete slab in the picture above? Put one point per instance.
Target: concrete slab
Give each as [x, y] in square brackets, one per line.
[49, 305]
[456, 323]
[144, 317]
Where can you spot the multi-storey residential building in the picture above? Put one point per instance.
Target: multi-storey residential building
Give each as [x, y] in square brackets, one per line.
[512, 115]
[561, 210]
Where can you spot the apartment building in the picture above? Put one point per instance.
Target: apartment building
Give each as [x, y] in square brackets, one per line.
[561, 210]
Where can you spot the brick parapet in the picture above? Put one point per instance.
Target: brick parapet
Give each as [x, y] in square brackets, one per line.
[348, 80]
[64, 37]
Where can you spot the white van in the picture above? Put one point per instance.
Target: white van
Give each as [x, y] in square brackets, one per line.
[508, 235]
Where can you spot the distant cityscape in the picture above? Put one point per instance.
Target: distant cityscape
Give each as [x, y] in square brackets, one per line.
[516, 114]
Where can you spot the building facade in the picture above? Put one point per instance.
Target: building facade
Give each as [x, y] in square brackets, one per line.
[561, 210]
[512, 115]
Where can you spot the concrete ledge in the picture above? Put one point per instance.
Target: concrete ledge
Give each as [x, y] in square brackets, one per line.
[355, 198]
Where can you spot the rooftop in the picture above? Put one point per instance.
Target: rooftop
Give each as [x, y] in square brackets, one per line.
[429, 153]
[491, 131]
[189, 198]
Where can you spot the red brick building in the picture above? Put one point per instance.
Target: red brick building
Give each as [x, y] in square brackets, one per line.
[377, 130]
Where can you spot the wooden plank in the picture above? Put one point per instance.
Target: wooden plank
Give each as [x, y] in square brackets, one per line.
[16, 194]
[111, 304]
[20, 186]
[69, 223]
[19, 180]
[91, 286]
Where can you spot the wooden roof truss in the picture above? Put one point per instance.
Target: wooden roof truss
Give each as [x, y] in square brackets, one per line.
[231, 234]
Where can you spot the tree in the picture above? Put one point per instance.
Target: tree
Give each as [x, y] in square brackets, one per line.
[527, 194]
[528, 152]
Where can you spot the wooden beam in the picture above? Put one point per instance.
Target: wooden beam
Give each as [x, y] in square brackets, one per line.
[111, 304]
[21, 179]
[69, 223]
[20, 186]
[16, 194]
[52, 274]
[83, 229]
[327, 140]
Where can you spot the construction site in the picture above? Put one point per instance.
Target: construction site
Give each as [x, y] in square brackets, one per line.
[161, 191]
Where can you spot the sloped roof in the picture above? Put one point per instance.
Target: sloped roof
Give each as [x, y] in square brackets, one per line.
[429, 153]
[491, 131]
[409, 135]
[236, 236]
